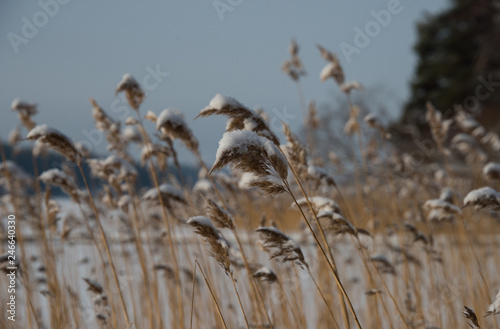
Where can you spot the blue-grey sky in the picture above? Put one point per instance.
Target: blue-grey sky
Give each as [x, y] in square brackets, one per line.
[81, 49]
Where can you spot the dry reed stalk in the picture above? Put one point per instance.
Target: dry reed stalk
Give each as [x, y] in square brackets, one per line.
[61, 143]
[280, 246]
[192, 298]
[212, 294]
[256, 155]
[153, 286]
[364, 257]
[138, 242]
[466, 236]
[218, 248]
[223, 219]
[166, 221]
[330, 261]
[106, 245]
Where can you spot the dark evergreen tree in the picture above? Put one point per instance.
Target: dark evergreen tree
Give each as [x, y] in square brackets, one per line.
[459, 62]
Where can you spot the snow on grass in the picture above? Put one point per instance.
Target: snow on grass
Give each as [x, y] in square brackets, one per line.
[219, 102]
[492, 170]
[482, 198]
[239, 141]
[170, 116]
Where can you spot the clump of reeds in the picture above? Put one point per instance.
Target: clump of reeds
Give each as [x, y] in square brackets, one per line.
[256, 155]
[485, 197]
[218, 245]
[26, 111]
[280, 246]
[56, 140]
[133, 91]
[240, 117]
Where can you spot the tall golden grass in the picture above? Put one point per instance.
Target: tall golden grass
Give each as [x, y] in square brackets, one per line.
[279, 239]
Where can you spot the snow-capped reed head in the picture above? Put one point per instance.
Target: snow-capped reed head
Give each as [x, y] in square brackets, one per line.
[133, 91]
[374, 122]
[327, 55]
[14, 136]
[434, 204]
[469, 314]
[218, 246]
[219, 216]
[295, 152]
[485, 197]
[26, 111]
[102, 121]
[495, 306]
[83, 150]
[265, 274]
[160, 152]
[168, 193]
[320, 204]
[347, 87]
[464, 120]
[55, 140]
[251, 153]
[124, 202]
[224, 105]
[333, 69]
[151, 116]
[131, 121]
[338, 225]
[203, 187]
[113, 169]
[61, 179]
[492, 170]
[280, 246]
[321, 175]
[469, 147]
[171, 123]
[239, 117]
[131, 135]
[26, 108]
